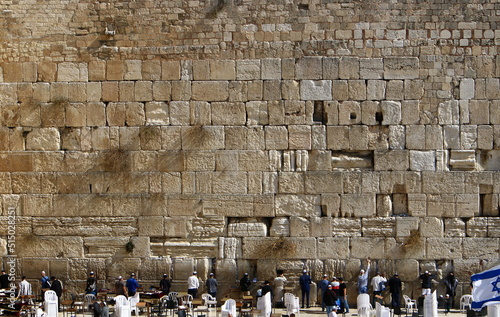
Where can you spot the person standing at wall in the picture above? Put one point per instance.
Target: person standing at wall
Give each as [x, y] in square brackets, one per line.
[193, 284]
[426, 283]
[451, 283]
[165, 285]
[245, 283]
[395, 286]
[323, 287]
[132, 285]
[279, 285]
[378, 285]
[344, 306]
[56, 286]
[329, 299]
[305, 287]
[24, 287]
[362, 285]
[120, 288]
[4, 280]
[91, 287]
[211, 284]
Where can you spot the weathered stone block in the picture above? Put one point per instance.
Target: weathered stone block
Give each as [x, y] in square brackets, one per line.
[248, 69]
[222, 70]
[401, 67]
[349, 68]
[448, 248]
[309, 67]
[316, 90]
[422, 160]
[358, 205]
[150, 226]
[396, 160]
[297, 205]
[360, 247]
[210, 90]
[371, 68]
[271, 68]
[43, 139]
[467, 88]
[225, 113]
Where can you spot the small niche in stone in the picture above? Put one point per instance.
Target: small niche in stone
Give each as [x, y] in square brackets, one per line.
[303, 6]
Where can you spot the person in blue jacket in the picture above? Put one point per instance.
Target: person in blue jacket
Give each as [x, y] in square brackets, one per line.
[132, 285]
[305, 287]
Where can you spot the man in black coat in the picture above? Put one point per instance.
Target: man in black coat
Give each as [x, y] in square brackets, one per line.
[267, 289]
[395, 286]
[329, 299]
[426, 283]
[245, 283]
[56, 286]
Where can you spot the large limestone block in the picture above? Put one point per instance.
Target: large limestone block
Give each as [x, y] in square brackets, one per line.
[339, 251]
[359, 137]
[210, 90]
[43, 139]
[401, 67]
[280, 227]
[467, 205]
[406, 226]
[203, 138]
[316, 89]
[410, 112]
[272, 89]
[441, 205]
[170, 70]
[444, 248]
[297, 205]
[230, 183]
[337, 137]
[299, 227]
[248, 69]
[396, 160]
[350, 113]
[422, 160]
[282, 247]
[253, 161]
[247, 229]
[290, 89]
[132, 70]
[276, 137]
[379, 226]
[323, 182]
[271, 68]
[157, 113]
[230, 248]
[222, 70]
[391, 111]
[257, 113]
[309, 67]
[358, 205]
[8, 94]
[33, 246]
[375, 89]
[299, 137]
[357, 89]
[68, 71]
[395, 90]
[431, 227]
[290, 183]
[371, 68]
[150, 226]
[349, 68]
[225, 113]
[346, 227]
[228, 205]
[162, 90]
[467, 87]
[330, 67]
[454, 227]
[175, 227]
[362, 247]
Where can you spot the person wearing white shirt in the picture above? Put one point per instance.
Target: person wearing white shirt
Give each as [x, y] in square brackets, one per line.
[193, 284]
[378, 285]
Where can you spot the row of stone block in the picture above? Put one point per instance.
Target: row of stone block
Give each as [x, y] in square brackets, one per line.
[218, 90]
[254, 248]
[270, 68]
[419, 147]
[179, 202]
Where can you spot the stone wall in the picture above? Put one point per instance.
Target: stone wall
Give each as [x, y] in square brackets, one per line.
[250, 136]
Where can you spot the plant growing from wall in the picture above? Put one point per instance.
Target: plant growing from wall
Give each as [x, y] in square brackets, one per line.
[129, 247]
[281, 247]
[412, 242]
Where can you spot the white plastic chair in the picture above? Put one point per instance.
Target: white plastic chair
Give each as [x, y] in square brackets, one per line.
[291, 304]
[264, 305]
[51, 304]
[209, 300]
[229, 308]
[410, 304]
[122, 306]
[87, 301]
[365, 311]
[465, 302]
[133, 303]
[382, 311]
